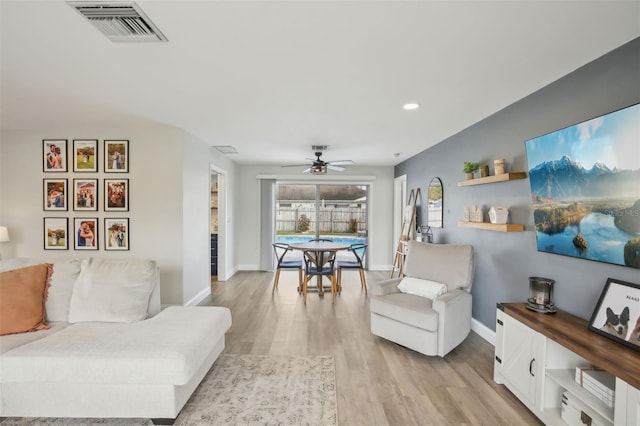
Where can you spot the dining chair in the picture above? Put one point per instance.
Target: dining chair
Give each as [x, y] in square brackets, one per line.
[281, 251]
[356, 262]
[319, 264]
[320, 240]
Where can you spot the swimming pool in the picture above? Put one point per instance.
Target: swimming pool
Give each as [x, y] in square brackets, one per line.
[340, 255]
[293, 239]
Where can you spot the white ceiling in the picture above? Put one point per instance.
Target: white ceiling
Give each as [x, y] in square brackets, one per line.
[271, 78]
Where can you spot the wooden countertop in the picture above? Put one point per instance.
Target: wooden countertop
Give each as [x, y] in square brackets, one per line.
[573, 333]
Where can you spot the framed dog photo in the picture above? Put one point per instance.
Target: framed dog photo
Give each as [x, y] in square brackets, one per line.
[617, 314]
[85, 194]
[54, 155]
[116, 234]
[55, 234]
[85, 155]
[85, 233]
[116, 195]
[54, 194]
[116, 156]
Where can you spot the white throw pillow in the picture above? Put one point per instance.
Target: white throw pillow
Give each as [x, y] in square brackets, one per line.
[420, 287]
[65, 274]
[112, 290]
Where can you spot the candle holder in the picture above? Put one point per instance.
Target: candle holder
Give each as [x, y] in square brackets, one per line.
[540, 294]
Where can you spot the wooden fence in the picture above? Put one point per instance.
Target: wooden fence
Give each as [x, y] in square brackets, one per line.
[332, 219]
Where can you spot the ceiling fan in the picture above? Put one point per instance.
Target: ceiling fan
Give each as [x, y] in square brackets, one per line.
[319, 167]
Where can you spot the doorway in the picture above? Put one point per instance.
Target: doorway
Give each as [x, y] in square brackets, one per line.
[215, 186]
[399, 200]
[218, 221]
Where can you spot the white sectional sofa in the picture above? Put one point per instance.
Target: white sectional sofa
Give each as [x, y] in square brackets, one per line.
[100, 357]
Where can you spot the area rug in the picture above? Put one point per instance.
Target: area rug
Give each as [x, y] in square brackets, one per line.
[246, 390]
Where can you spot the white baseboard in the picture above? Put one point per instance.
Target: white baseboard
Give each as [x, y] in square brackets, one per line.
[248, 267]
[380, 268]
[483, 331]
[230, 274]
[199, 297]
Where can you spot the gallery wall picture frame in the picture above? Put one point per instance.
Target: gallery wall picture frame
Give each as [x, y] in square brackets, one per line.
[116, 233]
[116, 156]
[116, 195]
[85, 155]
[617, 313]
[85, 233]
[54, 155]
[56, 231]
[54, 193]
[85, 194]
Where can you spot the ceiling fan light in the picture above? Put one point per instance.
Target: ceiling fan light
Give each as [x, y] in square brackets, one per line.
[318, 169]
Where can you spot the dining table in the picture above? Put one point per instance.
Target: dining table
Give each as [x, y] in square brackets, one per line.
[320, 249]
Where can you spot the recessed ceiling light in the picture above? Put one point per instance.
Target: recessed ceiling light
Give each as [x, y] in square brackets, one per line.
[411, 106]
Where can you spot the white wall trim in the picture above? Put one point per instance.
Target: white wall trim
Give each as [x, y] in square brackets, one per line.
[230, 274]
[483, 331]
[248, 267]
[380, 267]
[199, 297]
[234, 271]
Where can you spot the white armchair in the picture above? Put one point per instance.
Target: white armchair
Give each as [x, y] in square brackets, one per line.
[429, 326]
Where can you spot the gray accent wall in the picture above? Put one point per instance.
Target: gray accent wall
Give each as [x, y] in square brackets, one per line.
[506, 260]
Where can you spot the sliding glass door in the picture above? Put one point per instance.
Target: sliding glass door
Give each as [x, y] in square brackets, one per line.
[333, 211]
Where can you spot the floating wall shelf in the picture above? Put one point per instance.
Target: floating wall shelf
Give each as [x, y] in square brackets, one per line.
[493, 179]
[500, 227]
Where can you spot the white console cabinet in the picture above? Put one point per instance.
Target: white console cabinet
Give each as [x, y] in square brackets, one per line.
[519, 356]
[536, 356]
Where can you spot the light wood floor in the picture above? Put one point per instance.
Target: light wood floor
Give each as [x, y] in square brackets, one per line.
[378, 382]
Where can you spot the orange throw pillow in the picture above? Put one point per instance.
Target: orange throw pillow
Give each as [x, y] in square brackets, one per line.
[22, 295]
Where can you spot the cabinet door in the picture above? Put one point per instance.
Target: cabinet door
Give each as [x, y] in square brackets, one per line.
[519, 364]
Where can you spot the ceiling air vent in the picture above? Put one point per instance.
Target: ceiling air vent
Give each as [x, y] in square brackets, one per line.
[120, 22]
[318, 148]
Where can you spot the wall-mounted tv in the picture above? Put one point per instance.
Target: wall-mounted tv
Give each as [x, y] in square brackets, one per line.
[585, 188]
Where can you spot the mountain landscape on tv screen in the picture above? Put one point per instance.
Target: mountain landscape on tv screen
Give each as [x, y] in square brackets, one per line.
[566, 179]
[589, 212]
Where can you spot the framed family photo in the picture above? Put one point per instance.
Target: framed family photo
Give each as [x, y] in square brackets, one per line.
[55, 234]
[85, 155]
[85, 194]
[85, 233]
[116, 156]
[116, 195]
[116, 234]
[54, 194]
[617, 314]
[54, 155]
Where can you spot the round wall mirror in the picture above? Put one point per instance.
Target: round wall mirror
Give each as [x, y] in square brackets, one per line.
[434, 210]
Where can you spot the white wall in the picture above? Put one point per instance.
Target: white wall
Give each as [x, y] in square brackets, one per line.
[168, 207]
[195, 221]
[247, 216]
